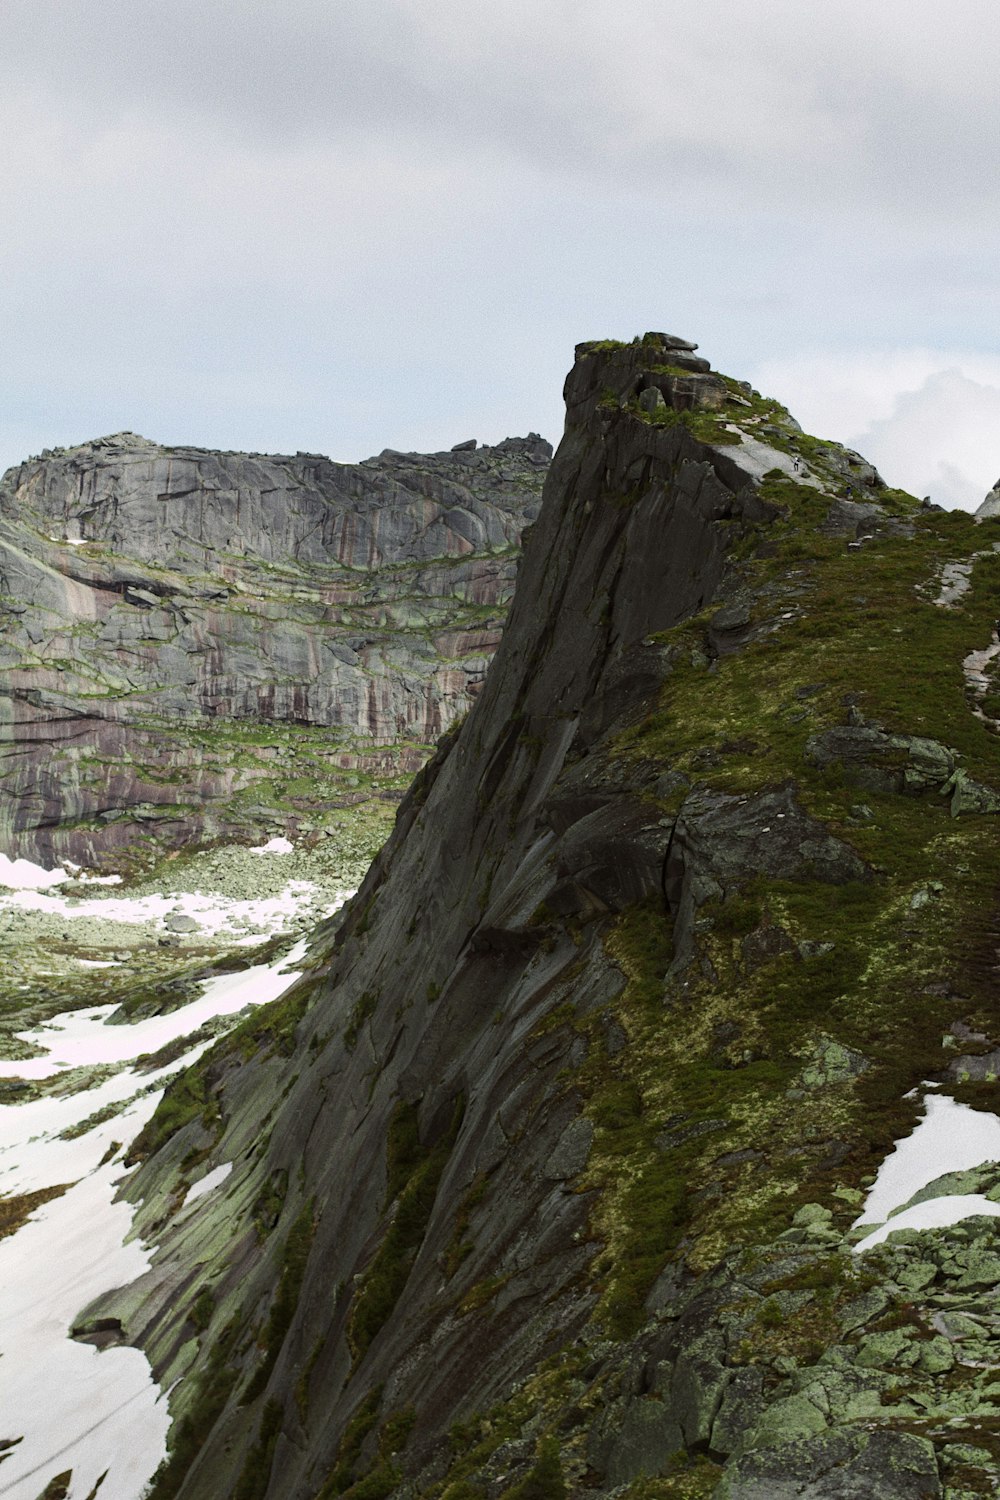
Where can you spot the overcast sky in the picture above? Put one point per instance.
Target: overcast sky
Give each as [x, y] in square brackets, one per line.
[341, 225]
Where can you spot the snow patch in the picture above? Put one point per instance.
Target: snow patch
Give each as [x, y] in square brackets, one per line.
[22, 875]
[950, 1138]
[76, 1407]
[213, 913]
[211, 1180]
[80, 1038]
[274, 846]
[935, 1213]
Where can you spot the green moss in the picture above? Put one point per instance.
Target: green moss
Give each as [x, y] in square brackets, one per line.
[382, 1475]
[293, 1267]
[269, 1203]
[545, 1480]
[481, 1294]
[255, 1476]
[377, 1484]
[703, 425]
[272, 1027]
[722, 1068]
[416, 1172]
[342, 1475]
[202, 1308]
[186, 1098]
[362, 1009]
[403, 1151]
[689, 1476]
[460, 1246]
[188, 1436]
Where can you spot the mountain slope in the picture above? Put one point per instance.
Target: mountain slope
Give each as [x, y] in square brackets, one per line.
[545, 1174]
[183, 628]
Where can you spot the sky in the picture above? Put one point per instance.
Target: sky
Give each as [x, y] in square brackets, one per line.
[339, 227]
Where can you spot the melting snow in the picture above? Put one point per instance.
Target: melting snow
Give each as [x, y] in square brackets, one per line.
[213, 913]
[273, 846]
[950, 1138]
[80, 1038]
[75, 1407]
[935, 1213]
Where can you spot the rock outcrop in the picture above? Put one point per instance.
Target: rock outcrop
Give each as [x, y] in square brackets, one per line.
[545, 1174]
[166, 611]
[991, 505]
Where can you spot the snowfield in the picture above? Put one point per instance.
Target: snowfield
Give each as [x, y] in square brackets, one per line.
[69, 1405]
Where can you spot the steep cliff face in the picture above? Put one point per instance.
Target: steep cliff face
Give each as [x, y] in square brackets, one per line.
[545, 1173]
[160, 607]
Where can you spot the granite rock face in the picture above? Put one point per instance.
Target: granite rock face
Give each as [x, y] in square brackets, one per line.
[567, 1125]
[151, 598]
[991, 505]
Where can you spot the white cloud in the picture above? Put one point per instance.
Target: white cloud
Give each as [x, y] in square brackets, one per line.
[942, 439]
[388, 221]
[929, 420]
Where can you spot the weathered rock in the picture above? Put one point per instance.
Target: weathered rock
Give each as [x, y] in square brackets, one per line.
[179, 923]
[720, 842]
[991, 505]
[220, 588]
[833, 1063]
[645, 1439]
[529, 1150]
[571, 1152]
[842, 1465]
[909, 764]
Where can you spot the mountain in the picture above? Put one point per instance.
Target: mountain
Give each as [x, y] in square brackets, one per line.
[548, 1175]
[181, 630]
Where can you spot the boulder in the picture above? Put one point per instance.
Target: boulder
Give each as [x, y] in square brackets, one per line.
[845, 1464]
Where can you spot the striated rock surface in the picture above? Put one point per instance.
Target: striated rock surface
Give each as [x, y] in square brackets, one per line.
[545, 1175]
[159, 607]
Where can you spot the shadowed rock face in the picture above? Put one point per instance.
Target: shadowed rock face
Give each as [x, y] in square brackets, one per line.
[149, 593]
[565, 1131]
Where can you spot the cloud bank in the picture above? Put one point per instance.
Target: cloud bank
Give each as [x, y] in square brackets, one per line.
[384, 222]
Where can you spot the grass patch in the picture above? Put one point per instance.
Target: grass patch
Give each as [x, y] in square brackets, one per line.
[188, 1097]
[16, 1209]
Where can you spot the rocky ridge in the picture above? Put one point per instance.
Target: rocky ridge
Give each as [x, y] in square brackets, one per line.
[183, 629]
[567, 1129]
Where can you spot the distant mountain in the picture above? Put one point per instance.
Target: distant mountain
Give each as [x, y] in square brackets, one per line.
[546, 1175]
[182, 629]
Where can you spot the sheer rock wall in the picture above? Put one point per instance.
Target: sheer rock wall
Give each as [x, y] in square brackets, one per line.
[150, 597]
